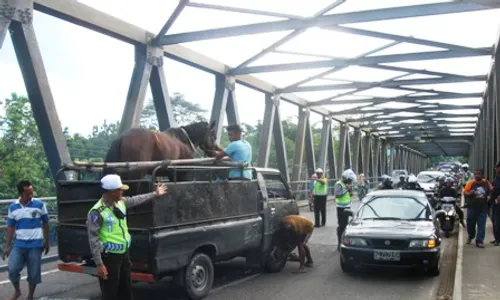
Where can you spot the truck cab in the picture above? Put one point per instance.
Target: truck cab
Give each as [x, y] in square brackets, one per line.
[195, 225]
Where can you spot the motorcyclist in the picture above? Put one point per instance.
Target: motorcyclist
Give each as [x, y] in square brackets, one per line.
[402, 182]
[449, 191]
[413, 184]
[386, 183]
[467, 175]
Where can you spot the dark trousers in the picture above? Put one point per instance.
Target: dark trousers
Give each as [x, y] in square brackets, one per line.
[319, 207]
[342, 221]
[495, 217]
[476, 217]
[118, 286]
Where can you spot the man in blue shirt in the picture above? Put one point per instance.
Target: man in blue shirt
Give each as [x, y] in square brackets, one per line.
[28, 218]
[239, 151]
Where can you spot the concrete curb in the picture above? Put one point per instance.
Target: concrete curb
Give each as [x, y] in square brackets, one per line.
[457, 285]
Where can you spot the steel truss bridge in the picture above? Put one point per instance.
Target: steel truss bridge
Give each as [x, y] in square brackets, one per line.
[367, 131]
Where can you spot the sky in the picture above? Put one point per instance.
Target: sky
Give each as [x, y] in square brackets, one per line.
[89, 73]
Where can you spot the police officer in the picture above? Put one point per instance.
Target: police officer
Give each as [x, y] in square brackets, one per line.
[343, 193]
[320, 193]
[109, 238]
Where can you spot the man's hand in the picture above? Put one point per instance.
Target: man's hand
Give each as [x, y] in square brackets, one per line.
[161, 189]
[6, 253]
[46, 247]
[102, 271]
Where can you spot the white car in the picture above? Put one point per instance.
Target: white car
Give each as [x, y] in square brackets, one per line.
[428, 179]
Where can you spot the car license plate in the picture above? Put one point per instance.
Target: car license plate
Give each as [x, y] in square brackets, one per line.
[387, 255]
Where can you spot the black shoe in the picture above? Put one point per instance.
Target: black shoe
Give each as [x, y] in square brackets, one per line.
[317, 226]
[493, 242]
[496, 244]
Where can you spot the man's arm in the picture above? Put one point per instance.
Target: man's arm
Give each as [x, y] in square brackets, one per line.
[321, 180]
[138, 200]
[9, 234]
[339, 192]
[230, 149]
[45, 226]
[94, 223]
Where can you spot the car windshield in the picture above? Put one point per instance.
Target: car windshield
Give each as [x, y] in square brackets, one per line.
[394, 208]
[427, 178]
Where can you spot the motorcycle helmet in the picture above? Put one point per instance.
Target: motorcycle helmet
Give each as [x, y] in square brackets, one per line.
[448, 181]
[412, 179]
[349, 175]
[465, 167]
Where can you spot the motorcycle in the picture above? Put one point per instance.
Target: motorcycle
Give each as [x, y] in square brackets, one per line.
[449, 221]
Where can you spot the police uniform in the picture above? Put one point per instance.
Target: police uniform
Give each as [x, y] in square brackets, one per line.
[320, 193]
[343, 202]
[109, 240]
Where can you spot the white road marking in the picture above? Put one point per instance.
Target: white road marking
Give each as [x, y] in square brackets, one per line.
[457, 285]
[24, 277]
[220, 288]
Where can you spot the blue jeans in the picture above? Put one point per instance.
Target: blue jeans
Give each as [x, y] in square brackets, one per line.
[32, 258]
[478, 218]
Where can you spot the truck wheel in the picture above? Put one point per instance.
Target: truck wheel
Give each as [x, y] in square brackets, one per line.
[199, 276]
[273, 263]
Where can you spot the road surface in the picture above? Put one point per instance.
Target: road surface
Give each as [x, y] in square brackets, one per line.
[237, 282]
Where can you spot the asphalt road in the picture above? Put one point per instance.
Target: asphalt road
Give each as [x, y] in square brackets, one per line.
[236, 281]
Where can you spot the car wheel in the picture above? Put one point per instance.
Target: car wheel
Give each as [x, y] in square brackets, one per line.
[345, 267]
[273, 262]
[199, 276]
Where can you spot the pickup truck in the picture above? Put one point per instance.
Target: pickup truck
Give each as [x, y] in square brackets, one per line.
[183, 233]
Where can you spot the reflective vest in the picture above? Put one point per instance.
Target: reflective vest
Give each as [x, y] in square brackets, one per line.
[467, 177]
[320, 189]
[114, 232]
[345, 200]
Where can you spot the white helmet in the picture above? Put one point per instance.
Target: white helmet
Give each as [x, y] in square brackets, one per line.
[349, 174]
[465, 166]
[319, 170]
[412, 179]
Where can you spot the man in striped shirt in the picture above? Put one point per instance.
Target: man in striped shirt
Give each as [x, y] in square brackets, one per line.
[29, 220]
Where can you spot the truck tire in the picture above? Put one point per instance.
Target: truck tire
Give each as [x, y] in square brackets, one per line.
[199, 276]
[273, 264]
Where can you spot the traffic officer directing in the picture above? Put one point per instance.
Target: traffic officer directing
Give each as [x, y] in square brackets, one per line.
[343, 194]
[109, 238]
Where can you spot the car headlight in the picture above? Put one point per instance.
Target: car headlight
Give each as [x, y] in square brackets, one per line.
[353, 241]
[428, 243]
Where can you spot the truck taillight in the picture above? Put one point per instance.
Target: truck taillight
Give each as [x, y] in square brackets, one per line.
[74, 258]
[140, 266]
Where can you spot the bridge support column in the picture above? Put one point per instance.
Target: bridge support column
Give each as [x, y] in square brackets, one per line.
[343, 140]
[20, 23]
[267, 131]
[299, 145]
[384, 166]
[332, 163]
[148, 69]
[224, 102]
[367, 153]
[357, 161]
[323, 150]
[309, 144]
[272, 126]
[376, 156]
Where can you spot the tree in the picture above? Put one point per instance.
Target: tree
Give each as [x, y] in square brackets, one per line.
[184, 112]
[21, 151]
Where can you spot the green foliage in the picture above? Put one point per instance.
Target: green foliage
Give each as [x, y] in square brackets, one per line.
[21, 151]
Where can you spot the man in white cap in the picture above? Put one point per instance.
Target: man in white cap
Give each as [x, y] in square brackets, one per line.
[320, 192]
[109, 238]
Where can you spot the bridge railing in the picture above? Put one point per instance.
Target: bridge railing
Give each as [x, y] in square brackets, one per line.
[301, 188]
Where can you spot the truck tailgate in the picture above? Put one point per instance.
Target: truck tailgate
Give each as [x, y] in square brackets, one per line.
[74, 246]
